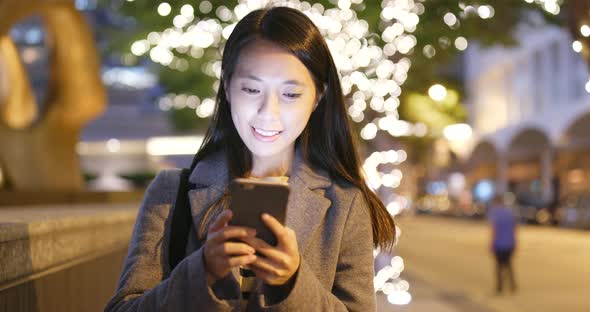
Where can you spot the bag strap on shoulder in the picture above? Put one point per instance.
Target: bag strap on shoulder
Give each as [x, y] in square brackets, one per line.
[181, 221]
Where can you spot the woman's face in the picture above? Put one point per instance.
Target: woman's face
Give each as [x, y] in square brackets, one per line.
[272, 96]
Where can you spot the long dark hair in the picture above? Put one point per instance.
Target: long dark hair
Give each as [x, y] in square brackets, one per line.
[327, 140]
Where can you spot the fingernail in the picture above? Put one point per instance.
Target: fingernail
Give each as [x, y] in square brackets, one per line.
[252, 232]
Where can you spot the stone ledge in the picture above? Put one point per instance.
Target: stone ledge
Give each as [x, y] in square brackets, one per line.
[37, 239]
[47, 198]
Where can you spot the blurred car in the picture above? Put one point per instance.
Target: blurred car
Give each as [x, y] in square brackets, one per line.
[443, 205]
[574, 211]
[432, 204]
[533, 211]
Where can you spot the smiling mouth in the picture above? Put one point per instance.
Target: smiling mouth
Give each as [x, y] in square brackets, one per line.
[266, 133]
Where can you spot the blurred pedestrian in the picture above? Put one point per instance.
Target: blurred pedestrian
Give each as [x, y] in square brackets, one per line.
[503, 241]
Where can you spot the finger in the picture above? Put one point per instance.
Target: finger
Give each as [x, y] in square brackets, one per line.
[279, 230]
[268, 266]
[266, 277]
[273, 224]
[220, 220]
[264, 248]
[241, 260]
[234, 248]
[231, 232]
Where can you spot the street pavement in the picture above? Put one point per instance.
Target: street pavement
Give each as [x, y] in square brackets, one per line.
[450, 268]
[428, 297]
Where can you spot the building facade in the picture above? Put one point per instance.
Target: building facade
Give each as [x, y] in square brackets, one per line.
[529, 107]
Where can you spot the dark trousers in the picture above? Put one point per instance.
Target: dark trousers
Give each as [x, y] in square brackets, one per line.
[503, 267]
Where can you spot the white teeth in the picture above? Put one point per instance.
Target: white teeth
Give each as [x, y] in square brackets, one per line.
[266, 133]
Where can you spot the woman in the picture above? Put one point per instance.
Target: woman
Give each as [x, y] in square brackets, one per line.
[280, 113]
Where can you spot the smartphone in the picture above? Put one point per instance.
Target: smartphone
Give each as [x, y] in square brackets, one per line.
[251, 198]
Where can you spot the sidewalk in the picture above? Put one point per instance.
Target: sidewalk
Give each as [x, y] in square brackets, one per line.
[428, 298]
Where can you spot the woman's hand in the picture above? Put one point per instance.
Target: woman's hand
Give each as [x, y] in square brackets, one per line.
[281, 262]
[222, 252]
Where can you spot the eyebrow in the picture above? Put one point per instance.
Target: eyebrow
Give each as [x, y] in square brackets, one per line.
[291, 81]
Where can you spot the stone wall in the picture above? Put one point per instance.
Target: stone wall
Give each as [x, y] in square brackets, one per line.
[62, 257]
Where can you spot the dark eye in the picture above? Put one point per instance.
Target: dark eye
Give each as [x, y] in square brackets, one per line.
[292, 95]
[250, 90]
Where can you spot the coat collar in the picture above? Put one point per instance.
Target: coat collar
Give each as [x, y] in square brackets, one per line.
[307, 202]
[213, 171]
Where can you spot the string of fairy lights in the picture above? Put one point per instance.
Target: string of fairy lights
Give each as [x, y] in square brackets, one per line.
[372, 74]
[580, 46]
[551, 6]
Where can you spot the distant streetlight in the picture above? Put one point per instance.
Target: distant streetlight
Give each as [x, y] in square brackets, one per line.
[179, 145]
[458, 136]
[437, 92]
[113, 145]
[457, 132]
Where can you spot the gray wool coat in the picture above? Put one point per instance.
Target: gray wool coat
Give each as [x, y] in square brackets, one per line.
[333, 229]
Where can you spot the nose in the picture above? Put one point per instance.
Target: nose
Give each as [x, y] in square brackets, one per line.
[270, 106]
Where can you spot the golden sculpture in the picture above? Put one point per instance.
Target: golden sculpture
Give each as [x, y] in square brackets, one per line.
[38, 149]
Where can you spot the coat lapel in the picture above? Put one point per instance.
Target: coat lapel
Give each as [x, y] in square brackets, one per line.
[307, 202]
[201, 199]
[210, 177]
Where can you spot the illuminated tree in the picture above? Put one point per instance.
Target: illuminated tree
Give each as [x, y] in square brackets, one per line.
[579, 24]
[409, 41]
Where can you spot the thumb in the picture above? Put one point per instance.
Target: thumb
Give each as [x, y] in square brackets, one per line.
[221, 220]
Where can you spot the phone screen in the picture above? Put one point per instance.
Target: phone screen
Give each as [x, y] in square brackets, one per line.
[251, 198]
